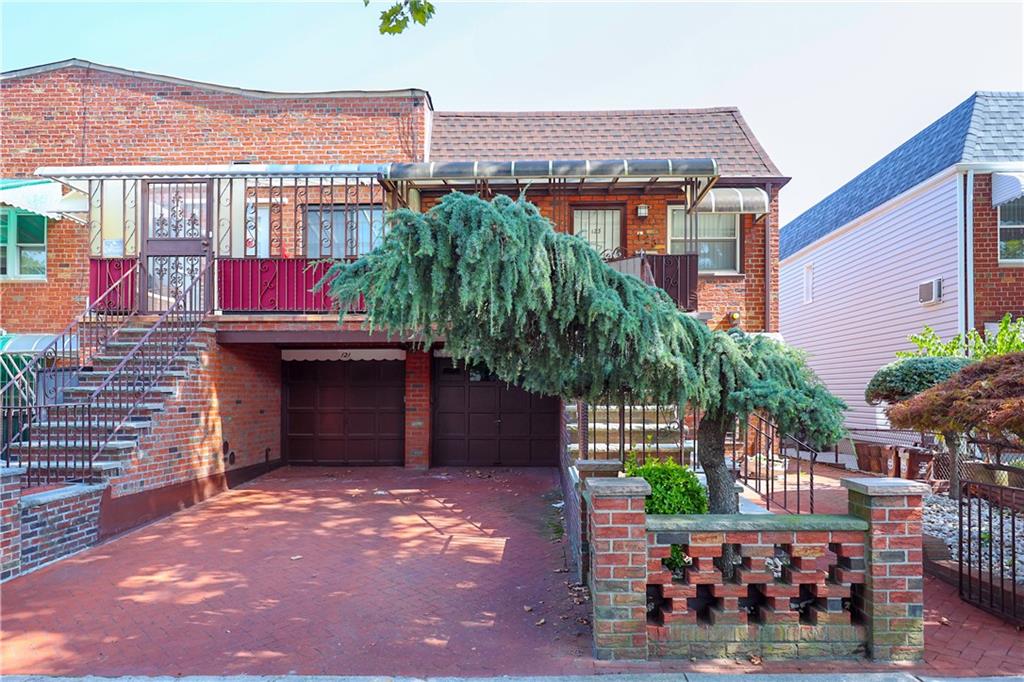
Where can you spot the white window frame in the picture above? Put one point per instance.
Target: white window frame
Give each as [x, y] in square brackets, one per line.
[808, 283]
[13, 261]
[738, 239]
[1013, 262]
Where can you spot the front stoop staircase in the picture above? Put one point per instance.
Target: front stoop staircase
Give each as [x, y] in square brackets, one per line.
[611, 431]
[92, 438]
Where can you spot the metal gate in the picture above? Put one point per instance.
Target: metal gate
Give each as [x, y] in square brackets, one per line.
[177, 217]
[991, 531]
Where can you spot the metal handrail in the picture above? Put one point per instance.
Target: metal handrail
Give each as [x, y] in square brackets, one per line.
[71, 339]
[141, 382]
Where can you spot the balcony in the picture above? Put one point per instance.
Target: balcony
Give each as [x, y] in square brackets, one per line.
[273, 231]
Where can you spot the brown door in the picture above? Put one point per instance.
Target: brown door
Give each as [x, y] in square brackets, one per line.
[480, 421]
[177, 222]
[348, 413]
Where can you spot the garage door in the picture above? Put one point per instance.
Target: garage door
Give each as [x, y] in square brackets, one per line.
[480, 421]
[344, 412]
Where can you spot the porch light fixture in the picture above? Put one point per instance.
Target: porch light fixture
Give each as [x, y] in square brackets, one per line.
[642, 210]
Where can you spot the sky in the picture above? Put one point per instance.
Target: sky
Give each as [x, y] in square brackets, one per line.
[827, 88]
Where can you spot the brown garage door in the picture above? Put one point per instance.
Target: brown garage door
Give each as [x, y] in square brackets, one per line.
[479, 421]
[344, 412]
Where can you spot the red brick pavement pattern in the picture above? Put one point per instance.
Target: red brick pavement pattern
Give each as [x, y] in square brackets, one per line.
[401, 572]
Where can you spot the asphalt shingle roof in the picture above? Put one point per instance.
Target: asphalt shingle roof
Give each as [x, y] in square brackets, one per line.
[720, 133]
[987, 126]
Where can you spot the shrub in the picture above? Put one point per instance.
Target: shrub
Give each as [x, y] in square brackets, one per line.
[907, 377]
[675, 489]
[1008, 338]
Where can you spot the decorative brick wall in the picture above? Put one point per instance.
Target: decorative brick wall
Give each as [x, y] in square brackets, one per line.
[998, 289]
[807, 586]
[57, 523]
[417, 409]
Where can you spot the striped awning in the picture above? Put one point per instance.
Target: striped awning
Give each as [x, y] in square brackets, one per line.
[1006, 187]
[734, 200]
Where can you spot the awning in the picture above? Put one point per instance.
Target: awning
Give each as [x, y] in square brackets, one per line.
[24, 344]
[1006, 187]
[315, 354]
[42, 197]
[734, 200]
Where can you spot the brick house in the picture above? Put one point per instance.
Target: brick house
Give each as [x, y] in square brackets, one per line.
[932, 234]
[190, 223]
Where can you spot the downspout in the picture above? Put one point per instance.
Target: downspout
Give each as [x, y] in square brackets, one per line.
[768, 262]
[969, 247]
[961, 250]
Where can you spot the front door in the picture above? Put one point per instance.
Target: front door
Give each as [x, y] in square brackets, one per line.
[177, 217]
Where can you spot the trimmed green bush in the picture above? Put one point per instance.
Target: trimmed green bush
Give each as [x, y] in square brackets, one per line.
[907, 377]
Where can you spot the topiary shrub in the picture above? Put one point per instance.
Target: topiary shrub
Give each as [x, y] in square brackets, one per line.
[907, 377]
[675, 489]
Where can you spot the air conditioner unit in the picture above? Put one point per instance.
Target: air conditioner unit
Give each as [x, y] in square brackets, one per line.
[930, 292]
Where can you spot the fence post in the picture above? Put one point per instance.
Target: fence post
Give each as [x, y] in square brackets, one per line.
[588, 469]
[618, 583]
[10, 521]
[892, 601]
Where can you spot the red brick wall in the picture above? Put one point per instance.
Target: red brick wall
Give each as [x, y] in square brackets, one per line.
[62, 525]
[48, 306]
[717, 294]
[417, 409]
[997, 289]
[78, 116]
[233, 395]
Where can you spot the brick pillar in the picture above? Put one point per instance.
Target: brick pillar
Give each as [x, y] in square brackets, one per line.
[588, 469]
[10, 521]
[618, 582]
[417, 409]
[892, 602]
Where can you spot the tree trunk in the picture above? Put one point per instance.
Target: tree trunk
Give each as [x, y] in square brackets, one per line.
[954, 446]
[711, 435]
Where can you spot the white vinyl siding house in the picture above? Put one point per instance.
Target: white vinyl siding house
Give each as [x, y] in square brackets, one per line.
[861, 302]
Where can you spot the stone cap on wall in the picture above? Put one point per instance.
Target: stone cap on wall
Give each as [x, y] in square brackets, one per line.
[618, 487]
[598, 465]
[755, 522]
[874, 487]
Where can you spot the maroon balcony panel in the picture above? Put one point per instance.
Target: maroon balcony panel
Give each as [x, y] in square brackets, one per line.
[104, 273]
[273, 285]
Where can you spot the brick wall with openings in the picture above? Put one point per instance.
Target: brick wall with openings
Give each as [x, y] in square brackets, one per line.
[47, 306]
[998, 289]
[233, 394]
[57, 523]
[417, 409]
[807, 586]
[717, 294]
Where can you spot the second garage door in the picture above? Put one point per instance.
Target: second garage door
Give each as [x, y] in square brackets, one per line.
[480, 421]
[344, 412]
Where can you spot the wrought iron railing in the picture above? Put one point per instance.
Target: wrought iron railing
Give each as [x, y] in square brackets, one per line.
[69, 438]
[778, 467]
[989, 558]
[676, 274]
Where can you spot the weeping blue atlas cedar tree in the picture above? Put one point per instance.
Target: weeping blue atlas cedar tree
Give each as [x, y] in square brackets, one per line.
[540, 310]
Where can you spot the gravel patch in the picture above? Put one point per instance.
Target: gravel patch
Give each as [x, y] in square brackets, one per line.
[941, 519]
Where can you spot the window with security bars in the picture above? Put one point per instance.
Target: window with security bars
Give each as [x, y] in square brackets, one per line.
[1011, 232]
[601, 227]
[343, 231]
[22, 245]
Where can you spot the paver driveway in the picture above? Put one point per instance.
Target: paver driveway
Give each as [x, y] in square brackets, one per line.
[355, 571]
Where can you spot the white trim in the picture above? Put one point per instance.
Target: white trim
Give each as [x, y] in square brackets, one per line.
[961, 257]
[897, 200]
[969, 247]
[1000, 261]
[333, 354]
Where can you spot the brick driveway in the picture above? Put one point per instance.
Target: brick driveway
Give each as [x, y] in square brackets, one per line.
[369, 571]
[357, 571]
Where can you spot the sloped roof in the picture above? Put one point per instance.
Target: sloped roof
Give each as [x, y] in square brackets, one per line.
[986, 127]
[720, 133]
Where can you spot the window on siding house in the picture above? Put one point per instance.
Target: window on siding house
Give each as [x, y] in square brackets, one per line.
[1011, 232]
[343, 231]
[717, 239]
[602, 228]
[22, 245]
[809, 283]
